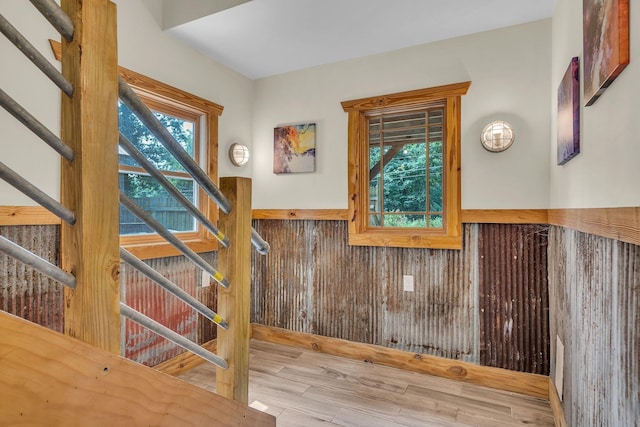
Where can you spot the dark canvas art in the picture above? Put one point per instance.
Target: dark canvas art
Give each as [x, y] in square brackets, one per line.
[605, 44]
[569, 114]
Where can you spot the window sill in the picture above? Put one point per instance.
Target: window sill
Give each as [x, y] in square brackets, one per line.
[164, 249]
[404, 239]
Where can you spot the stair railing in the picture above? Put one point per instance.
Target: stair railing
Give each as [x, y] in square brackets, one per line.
[82, 226]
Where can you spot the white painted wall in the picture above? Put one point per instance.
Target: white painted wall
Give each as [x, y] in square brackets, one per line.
[509, 70]
[606, 173]
[142, 47]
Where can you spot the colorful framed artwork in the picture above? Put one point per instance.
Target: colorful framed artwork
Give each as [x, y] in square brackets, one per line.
[569, 113]
[294, 148]
[605, 41]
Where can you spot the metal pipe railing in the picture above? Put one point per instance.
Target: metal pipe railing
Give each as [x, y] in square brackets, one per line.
[260, 244]
[34, 55]
[135, 104]
[24, 117]
[171, 189]
[36, 194]
[37, 263]
[171, 238]
[56, 16]
[170, 335]
[172, 288]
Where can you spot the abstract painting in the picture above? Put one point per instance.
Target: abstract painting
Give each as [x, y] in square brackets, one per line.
[294, 148]
[569, 114]
[605, 44]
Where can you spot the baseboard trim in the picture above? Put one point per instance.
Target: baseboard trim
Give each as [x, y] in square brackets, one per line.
[186, 361]
[501, 379]
[556, 405]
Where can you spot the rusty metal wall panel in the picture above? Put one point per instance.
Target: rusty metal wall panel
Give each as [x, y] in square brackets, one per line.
[438, 318]
[344, 284]
[283, 296]
[25, 292]
[142, 294]
[513, 297]
[312, 281]
[595, 311]
[208, 295]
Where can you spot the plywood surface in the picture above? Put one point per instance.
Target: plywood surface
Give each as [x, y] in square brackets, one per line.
[50, 379]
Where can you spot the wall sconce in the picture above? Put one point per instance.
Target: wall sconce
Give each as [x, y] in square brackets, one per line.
[238, 154]
[497, 136]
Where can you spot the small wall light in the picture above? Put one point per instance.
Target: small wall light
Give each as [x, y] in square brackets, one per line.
[238, 154]
[497, 136]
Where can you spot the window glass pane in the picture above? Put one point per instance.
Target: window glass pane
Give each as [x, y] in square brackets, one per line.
[154, 199]
[405, 221]
[435, 221]
[405, 188]
[435, 176]
[131, 127]
[374, 179]
[374, 220]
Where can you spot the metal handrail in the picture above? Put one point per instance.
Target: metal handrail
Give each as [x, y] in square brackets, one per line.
[259, 243]
[171, 238]
[36, 194]
[56, 16]
[172, 336]
[34, 55]
[171, 189]
[34, 261]
[172, 288]
[24, 117]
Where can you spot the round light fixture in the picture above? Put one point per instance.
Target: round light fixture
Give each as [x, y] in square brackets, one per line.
[238, 154]
[497, 136]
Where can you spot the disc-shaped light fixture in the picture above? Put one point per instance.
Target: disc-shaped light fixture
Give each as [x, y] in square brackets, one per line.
[497, 136]
[238, 154]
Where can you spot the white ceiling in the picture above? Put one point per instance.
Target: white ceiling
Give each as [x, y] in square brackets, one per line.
[261, 38]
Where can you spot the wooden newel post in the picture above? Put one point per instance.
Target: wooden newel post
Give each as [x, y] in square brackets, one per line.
[233, 303]
[90, 182]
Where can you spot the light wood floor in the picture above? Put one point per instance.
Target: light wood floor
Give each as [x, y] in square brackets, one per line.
[304, 388]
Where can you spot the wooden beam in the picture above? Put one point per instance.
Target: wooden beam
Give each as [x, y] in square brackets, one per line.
[556, 405]
[234, 263]
[615, 223]
[185, 362]
[90, 181]
[501, 379]
[27, 215]
[302, 214]
[50, 379]
[505, 216]
[375, 170]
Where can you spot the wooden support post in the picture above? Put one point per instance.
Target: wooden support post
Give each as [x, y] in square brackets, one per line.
[233, 303]
[90, 181]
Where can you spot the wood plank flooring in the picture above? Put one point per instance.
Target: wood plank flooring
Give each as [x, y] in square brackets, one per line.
[304, 388]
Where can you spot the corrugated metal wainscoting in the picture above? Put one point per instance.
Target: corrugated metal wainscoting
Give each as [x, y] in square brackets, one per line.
[514, 300]
[25, 292]
[595, 311]
[313, 281]
[140, 293]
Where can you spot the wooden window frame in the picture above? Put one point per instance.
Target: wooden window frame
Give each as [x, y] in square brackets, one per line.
[154, 246]
[150, 89]
[360, 233]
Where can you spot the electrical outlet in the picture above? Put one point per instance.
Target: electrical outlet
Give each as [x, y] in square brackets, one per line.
[407, 281]
[206, 279]
[559, 380]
